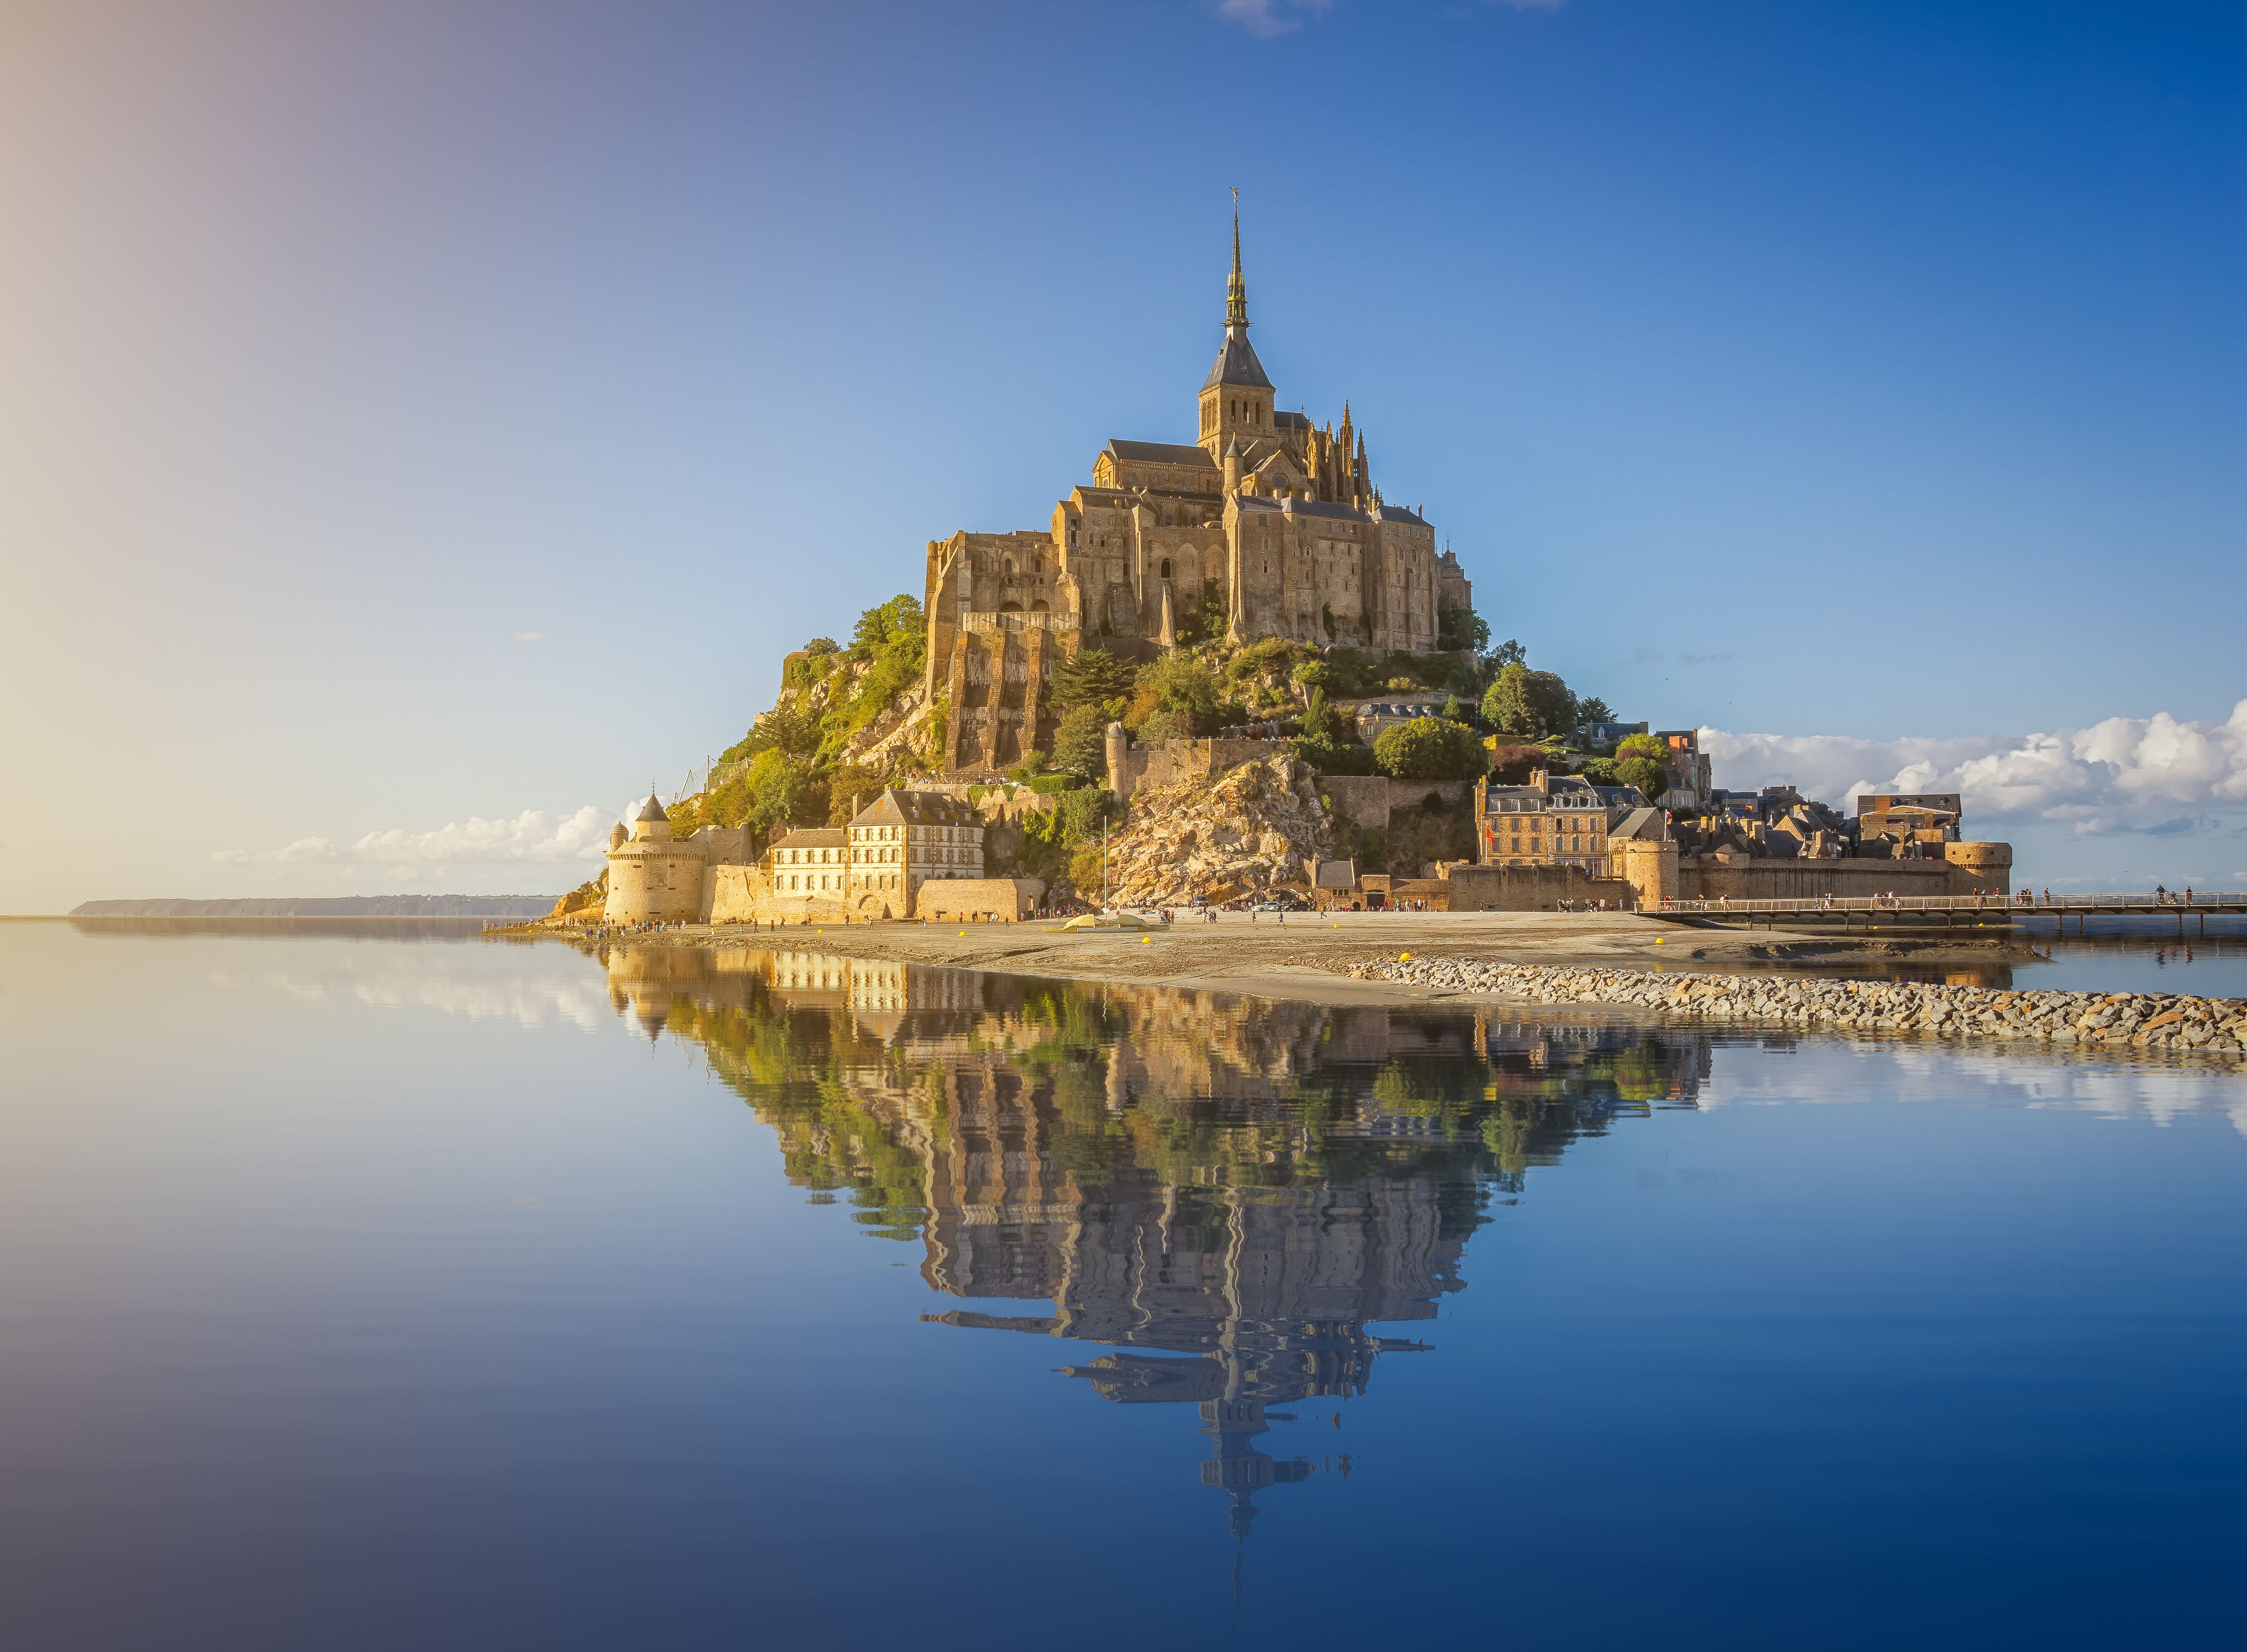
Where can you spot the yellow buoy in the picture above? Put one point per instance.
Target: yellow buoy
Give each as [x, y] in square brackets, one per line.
[963, 932]
[1657, 940]
[1403, 958]
[1146, 941]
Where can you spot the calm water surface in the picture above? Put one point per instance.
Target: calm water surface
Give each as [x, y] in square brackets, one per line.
[441, 1294]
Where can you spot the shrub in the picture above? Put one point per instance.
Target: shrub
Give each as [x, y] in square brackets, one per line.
[1430, 748]
[1510, 765]
[1335, 760]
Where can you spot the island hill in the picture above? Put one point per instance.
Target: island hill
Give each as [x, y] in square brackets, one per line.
[1225, 670]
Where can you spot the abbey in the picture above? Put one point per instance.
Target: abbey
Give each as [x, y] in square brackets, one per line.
[1273, 521]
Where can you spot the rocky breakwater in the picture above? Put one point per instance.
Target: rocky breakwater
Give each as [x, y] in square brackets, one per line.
[1246, 832]
[2157, 1021]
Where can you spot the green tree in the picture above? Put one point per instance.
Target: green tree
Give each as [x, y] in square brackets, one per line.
[1081, 742]
[1509, 653]
[1642, 746]
[1594, 710]
[1092, 677]
[876, 627]
[1430, 748]
[779, 791]
[1181, 691]
[1650, 777]
[1323, 725]
[1529, 704]
[1459, 627]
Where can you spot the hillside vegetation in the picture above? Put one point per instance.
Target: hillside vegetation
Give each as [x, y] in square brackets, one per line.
[852, 718]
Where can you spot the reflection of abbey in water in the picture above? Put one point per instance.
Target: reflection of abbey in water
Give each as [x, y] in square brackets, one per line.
[1227, 1192]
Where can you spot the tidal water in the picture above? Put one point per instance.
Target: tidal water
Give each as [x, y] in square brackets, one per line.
[426, 1292]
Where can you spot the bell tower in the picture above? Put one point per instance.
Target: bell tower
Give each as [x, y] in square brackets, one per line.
[1236, 398]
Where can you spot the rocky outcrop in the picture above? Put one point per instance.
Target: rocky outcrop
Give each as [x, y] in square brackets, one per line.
[1246, 832]
[2093, 1020]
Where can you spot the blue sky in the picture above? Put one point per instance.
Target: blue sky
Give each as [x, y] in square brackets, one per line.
[1866, 378]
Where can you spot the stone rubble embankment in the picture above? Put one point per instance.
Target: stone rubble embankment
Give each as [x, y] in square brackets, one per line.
[2157, 1021]
[1246, 832]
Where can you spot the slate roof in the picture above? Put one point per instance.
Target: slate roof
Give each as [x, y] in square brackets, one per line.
[917, 808]
[812, 837]
[1161, 452]
[1640, 822]
[1236, 364]
[650, 809]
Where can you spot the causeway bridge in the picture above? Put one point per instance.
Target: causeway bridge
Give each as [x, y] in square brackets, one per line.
[1953, 912]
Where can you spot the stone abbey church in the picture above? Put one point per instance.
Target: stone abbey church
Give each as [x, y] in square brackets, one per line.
[1276, 519]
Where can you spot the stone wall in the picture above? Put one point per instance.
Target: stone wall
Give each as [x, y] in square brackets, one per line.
[1367, 801]
[1704, 878]
[1132, 764]
[745, 895]
[1530, 889]
[977, 899]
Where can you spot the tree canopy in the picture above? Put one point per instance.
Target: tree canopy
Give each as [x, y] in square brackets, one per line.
[1527, 704]
[1176, 695]
[1081, 741]
[1430, 748]
[1091, 677]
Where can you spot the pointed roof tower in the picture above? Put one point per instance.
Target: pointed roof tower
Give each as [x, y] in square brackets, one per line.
[1236, 358]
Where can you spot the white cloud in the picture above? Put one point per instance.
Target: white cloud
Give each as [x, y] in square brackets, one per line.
[533, 835]
[530, 636]
[2126, 774]
[1266, 18]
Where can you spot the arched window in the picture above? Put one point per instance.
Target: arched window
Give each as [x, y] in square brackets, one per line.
[1166, 567]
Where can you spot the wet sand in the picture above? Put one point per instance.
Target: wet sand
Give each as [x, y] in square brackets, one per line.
[1309, 955]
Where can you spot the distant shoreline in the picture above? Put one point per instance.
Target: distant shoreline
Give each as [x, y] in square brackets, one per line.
[329, 907]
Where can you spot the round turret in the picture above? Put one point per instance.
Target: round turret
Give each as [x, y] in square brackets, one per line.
[618, 834]
[1119, 743]
[651, 821]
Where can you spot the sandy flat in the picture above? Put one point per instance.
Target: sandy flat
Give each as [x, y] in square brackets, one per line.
[1298, 958]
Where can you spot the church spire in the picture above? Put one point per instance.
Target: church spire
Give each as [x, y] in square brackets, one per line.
[1236, 289]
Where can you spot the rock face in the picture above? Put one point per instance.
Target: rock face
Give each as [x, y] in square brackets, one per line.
[1245, 832]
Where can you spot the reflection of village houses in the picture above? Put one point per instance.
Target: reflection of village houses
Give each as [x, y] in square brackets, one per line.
[1228, 1193]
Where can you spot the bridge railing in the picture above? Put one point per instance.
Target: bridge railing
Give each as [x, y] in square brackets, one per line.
[2148, 901]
